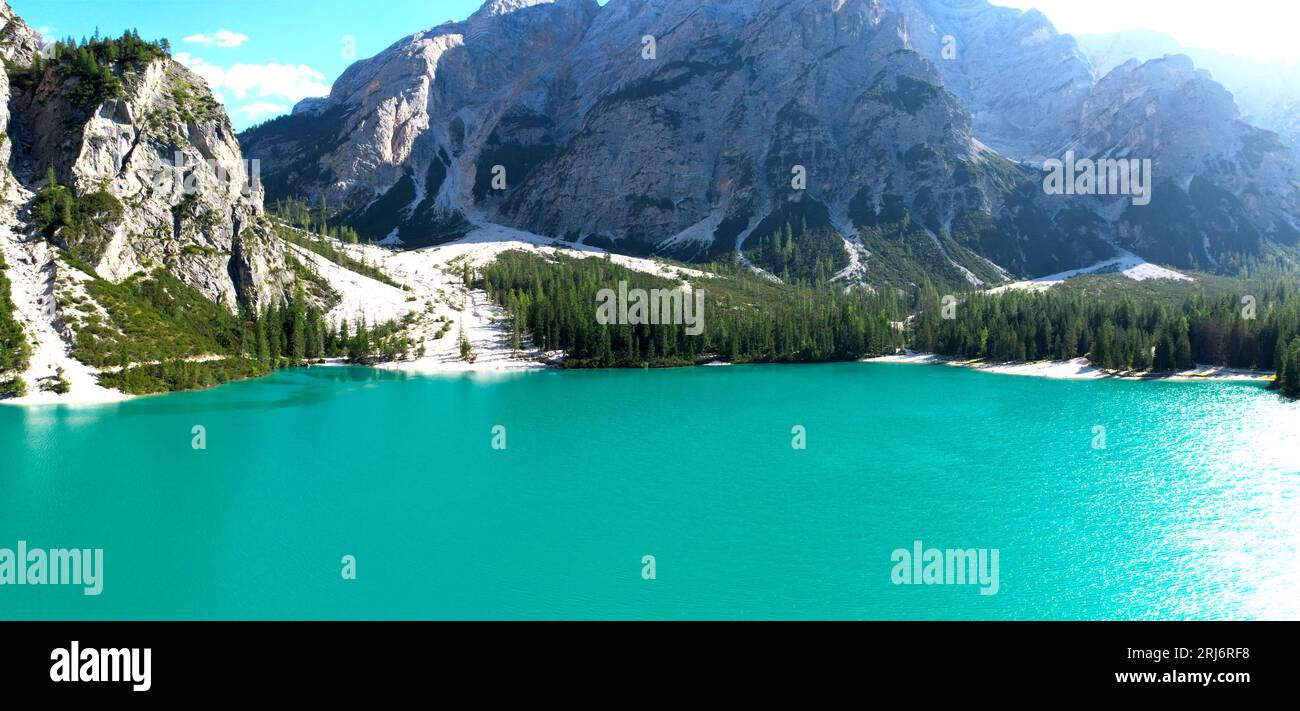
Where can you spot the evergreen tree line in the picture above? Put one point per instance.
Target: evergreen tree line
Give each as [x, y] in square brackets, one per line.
[158, 324]
[91, 62]
[279, 336]
[553, 304]
[1288, 369]
[317, 220]
[287, 334]
[810, 257]
[1115, 334]
[325, 244]
[14, 351]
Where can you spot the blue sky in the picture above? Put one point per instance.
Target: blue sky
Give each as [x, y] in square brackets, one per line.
[272, 53]
[262, 56]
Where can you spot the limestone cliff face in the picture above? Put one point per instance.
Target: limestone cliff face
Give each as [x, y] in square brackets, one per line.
[397, 137]
[651, 126]
[696, 147]
[161, 147]
[678, 128]
[165, 150]
[8, 186]
[18, 45]
[1221, 186]
[1023, 83]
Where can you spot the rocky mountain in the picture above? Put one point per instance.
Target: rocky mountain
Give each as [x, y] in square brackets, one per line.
[663, 127]
[889, 143]
[1222, 189]
[121, 170]
[398, 135]
[1268, 93]
[901, 139]
[163, 151]
[1023, 83]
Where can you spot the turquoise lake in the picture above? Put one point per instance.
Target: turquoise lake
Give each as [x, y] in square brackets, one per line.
[1190, 511]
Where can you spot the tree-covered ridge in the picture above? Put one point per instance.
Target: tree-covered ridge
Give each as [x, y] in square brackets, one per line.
[326, 245]
[317, 220]
[155, 334]
[745, 319]
[1122, 333]
[14, 351]
[810, 256]
[76, 222]
[96, 65]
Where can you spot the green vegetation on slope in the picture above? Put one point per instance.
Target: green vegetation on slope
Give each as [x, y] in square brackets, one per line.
[318, 220]
[151, 318]
[1120, 332]
[78, 223]
[423, 225]
[88, 66]
[812, 257]
[161, 335]
[14, 351]
[13, 345]
[746, 319]
[325, 246]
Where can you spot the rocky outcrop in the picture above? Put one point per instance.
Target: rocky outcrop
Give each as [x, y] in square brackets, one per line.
[912, 128]
[1221, 187]
[182, 196]
[1268, 94]
[19, 44]
[126, 202]
[396, 138]
[1023, 83]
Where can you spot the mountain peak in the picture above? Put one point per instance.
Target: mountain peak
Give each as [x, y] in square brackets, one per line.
[18, 42]
[502, 7]
[560, 117]
[497, 8]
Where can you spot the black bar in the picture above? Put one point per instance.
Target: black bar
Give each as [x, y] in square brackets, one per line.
[993, 661]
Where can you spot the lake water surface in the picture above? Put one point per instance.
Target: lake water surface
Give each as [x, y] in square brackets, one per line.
[1190, 510]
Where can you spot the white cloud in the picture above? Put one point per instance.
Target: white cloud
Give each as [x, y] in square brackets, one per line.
[222, 38]
[1263, 30]
[261, 109]
[285, 82]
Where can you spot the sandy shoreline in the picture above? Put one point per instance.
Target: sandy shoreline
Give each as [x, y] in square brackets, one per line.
[435, 366]
[1077, 369]
[445, 311]
[434, 295]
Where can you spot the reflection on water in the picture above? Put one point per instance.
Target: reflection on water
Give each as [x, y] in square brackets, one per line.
[1188, 512]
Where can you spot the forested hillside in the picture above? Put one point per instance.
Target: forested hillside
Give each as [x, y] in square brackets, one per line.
[746, 319]
[749, 319]
[1122, 333]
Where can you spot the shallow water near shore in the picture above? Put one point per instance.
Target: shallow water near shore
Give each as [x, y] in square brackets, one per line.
[1187, 512]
